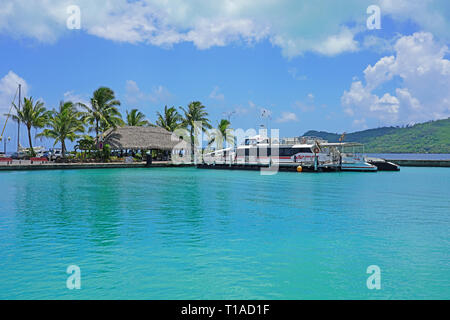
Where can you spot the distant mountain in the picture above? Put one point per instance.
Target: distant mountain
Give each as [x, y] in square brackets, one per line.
[428, 137]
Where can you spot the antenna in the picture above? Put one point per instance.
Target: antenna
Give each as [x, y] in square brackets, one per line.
[266, 114]
[229, 115]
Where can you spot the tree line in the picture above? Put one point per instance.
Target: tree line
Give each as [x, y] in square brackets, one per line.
[75, 120]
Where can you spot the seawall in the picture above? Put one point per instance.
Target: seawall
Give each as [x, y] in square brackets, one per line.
[422, 163]
[73, 166]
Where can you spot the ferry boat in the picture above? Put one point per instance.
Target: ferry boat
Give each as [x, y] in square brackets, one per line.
[304, 151]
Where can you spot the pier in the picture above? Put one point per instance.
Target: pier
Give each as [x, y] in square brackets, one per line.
[27, 165]
[422, 163]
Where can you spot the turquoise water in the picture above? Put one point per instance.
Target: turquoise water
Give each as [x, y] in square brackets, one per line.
[204, 234]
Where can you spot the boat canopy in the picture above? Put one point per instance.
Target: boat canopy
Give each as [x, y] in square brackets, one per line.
[303, 146]
[342, 144]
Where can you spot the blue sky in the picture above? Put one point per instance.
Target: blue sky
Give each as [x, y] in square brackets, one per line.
[313, 67]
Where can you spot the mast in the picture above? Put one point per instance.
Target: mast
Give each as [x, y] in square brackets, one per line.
[18, 121]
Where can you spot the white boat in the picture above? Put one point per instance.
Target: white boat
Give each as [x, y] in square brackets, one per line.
[353, 160]
[25, 152]
[305, 151]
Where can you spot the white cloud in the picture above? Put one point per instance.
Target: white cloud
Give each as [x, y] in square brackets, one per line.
[420, 64]
[216, 95]
[307, 106]
[8, 88]
[251, 109]
[76, 98]
[134, 95]
[304, 107]
[287, 117]
[240, 111]
[251, 104]
[294, 73]
[378, 44]
[430, 15]
[132, 92]
[335, 44]
[160, 94]
[295, 26]
[360, 124]
[209, 33]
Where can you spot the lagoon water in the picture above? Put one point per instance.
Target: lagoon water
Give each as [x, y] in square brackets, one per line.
[205, 234]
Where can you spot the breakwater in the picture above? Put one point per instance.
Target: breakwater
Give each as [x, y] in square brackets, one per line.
[71, 166]
[422, 163]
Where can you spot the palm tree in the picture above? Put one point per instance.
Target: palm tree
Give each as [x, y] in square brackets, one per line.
[103, 112]
[136, 119]
[171, 120]
[195, 113]
[65, 123]
[114, 121]
[86, 143]
[223, 133]
[33, 115]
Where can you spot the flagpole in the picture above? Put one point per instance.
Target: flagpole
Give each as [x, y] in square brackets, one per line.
[18, 121]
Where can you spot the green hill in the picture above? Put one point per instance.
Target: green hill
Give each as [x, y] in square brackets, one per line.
[428, 137]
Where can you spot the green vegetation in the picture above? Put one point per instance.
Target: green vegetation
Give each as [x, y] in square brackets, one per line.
[85, 144]
[102, 114]
[106, 153]
[72, 119]
[222, 134]
[136, 119]
[194, 114]
[428, 137]
[65, 123]
[170, 120]
[33, 115]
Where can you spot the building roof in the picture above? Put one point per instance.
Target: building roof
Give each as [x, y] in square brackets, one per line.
[142, 138]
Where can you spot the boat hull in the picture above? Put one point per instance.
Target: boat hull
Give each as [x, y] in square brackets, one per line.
[359, 167]
[383, 165]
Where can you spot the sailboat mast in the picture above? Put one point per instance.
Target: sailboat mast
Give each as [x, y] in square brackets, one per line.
[18, 121]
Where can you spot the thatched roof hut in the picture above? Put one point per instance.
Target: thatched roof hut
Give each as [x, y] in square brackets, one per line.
[143, 138]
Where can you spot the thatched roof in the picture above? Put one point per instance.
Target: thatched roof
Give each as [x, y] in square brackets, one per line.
[142, 138]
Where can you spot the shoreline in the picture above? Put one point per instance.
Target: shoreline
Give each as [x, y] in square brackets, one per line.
[74, 166]
[166, 164]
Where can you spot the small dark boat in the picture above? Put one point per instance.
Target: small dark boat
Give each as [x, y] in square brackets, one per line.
[383, 165]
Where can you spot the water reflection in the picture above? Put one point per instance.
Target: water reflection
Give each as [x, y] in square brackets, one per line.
[179, 204]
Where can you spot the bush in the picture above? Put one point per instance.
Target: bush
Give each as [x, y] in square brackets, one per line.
[106, 153]
[138, 157]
